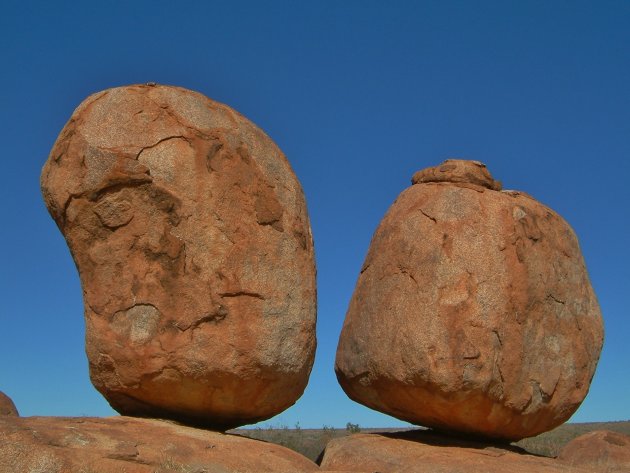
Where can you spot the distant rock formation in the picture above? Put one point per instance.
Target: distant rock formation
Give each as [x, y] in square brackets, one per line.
[125, 444]
[7, 408]
[192, 240]
[601, 450]
[473, 311]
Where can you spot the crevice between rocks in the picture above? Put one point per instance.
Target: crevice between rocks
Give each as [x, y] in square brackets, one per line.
[173, 137]
[428, 216]
[242, 293]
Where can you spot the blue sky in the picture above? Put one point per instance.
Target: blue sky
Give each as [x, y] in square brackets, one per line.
[359, 95]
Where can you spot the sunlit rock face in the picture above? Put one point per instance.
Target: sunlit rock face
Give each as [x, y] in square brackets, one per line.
[473, 311]
[192, 240]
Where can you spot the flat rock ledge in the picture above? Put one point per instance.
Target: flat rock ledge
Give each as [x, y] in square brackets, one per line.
[427, 452]
[131, 445]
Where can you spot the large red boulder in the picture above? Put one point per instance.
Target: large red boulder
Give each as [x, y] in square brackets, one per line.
[473, 311]
[193, 244]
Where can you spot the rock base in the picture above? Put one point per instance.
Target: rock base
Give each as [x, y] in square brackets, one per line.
[601, 450]
[130, 445]
[425, 451]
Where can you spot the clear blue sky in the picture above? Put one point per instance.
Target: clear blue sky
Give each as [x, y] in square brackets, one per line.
[359, 95]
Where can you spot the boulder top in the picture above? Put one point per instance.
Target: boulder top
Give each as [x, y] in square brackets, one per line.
[458, 171]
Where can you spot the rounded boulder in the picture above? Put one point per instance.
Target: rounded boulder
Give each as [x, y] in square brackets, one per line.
[473, 312]
[7, 407]
[191, 236]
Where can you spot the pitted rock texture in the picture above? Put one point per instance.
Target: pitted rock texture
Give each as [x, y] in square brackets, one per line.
[131, 445]
[7, 407]
[192, 240]
[473, 312]
[426, 452]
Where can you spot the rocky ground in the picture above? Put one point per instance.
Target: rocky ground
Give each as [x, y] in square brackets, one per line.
[132, 445]
[311, 442]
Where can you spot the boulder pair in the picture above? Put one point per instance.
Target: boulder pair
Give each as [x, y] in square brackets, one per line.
[473, 311]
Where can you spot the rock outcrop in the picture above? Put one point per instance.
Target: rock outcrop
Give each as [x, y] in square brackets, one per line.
[420, 452]
[602, 451]
[7, 407]
[473, 311]
[132, 445]
[193, 244]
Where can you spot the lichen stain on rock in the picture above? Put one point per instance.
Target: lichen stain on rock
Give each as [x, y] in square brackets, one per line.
[138, 323]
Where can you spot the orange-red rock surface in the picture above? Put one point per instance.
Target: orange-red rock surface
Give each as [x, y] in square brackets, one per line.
[599, 451]
[473, 311]
[426, 452]
[132, 445]
[7, 408]
[192, 240]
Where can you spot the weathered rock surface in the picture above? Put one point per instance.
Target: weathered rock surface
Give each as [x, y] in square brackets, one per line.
[7, 407]
[192, 240]
[132, 445]
[473, 311]
[602, 451]
[419, 452]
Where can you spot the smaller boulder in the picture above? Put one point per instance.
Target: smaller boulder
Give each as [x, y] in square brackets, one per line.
[7, 407]
[473, 311]
[600, 451]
